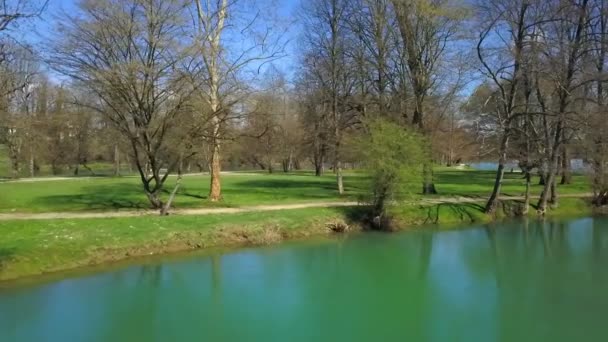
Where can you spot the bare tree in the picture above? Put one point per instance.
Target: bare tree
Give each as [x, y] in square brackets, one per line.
[327, 66]
[596, 126]
[16, 71]
[566, 45]
[426, 29]
[13, 13]
[18, 79]
[506, 29]
[129, 55]
[373, 26]
[217, 23]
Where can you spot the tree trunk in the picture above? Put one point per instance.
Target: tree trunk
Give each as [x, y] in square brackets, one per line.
[32, 165]
[54, 168]
[547, 194]
[129, 163]
[15, 166]
[553, 198]
[428, 187]
[154, 199]
[500, 174]
[318, 170]
[116, 161]
[566, 170]
[290, 162]
[180, 163]
[339, 177]
[526, 208]
[338, 164]
[165, 209]
[215, 189]
[213, 62]
[319, 161]
[15, 169]
[215, 166]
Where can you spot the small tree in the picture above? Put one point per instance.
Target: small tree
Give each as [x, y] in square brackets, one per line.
[393, 158]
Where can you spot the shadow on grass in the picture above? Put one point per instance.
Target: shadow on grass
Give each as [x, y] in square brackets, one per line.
[288, 188]
[358, 214]
[514, 208]
[183, 191]
[6, 255]
[471, 211]
[99, 197]
[463, 211]
[465, 177]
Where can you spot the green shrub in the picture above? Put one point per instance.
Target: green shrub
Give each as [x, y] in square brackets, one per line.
[393, 157]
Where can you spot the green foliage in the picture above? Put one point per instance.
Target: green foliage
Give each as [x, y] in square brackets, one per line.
[392, 156]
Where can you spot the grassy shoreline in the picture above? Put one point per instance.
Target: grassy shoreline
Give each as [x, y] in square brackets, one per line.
[35, 247]
[31, 247]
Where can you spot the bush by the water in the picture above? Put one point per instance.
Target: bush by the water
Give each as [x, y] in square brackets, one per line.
[393, 157]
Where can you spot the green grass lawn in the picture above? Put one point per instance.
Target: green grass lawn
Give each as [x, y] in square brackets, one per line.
[479, 183]
[83, 194]
[107, 193]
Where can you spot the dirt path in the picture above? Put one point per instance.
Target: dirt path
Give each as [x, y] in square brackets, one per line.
[188, 212]
[257, 208]
[71, 178]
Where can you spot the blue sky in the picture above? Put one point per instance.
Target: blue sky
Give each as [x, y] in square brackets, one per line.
[37, 32]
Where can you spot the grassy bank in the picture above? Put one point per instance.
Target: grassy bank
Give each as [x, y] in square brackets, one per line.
[40, 246]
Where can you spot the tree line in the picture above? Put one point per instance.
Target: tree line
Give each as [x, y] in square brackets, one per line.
[172, 86]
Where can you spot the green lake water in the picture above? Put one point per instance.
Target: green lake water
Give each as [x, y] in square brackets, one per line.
[509, 282]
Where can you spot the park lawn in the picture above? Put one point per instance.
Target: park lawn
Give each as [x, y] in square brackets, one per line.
[245, 189]
[107, 193]
[451, 182]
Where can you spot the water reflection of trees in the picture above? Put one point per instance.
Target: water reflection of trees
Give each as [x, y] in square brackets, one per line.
[550, 269]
